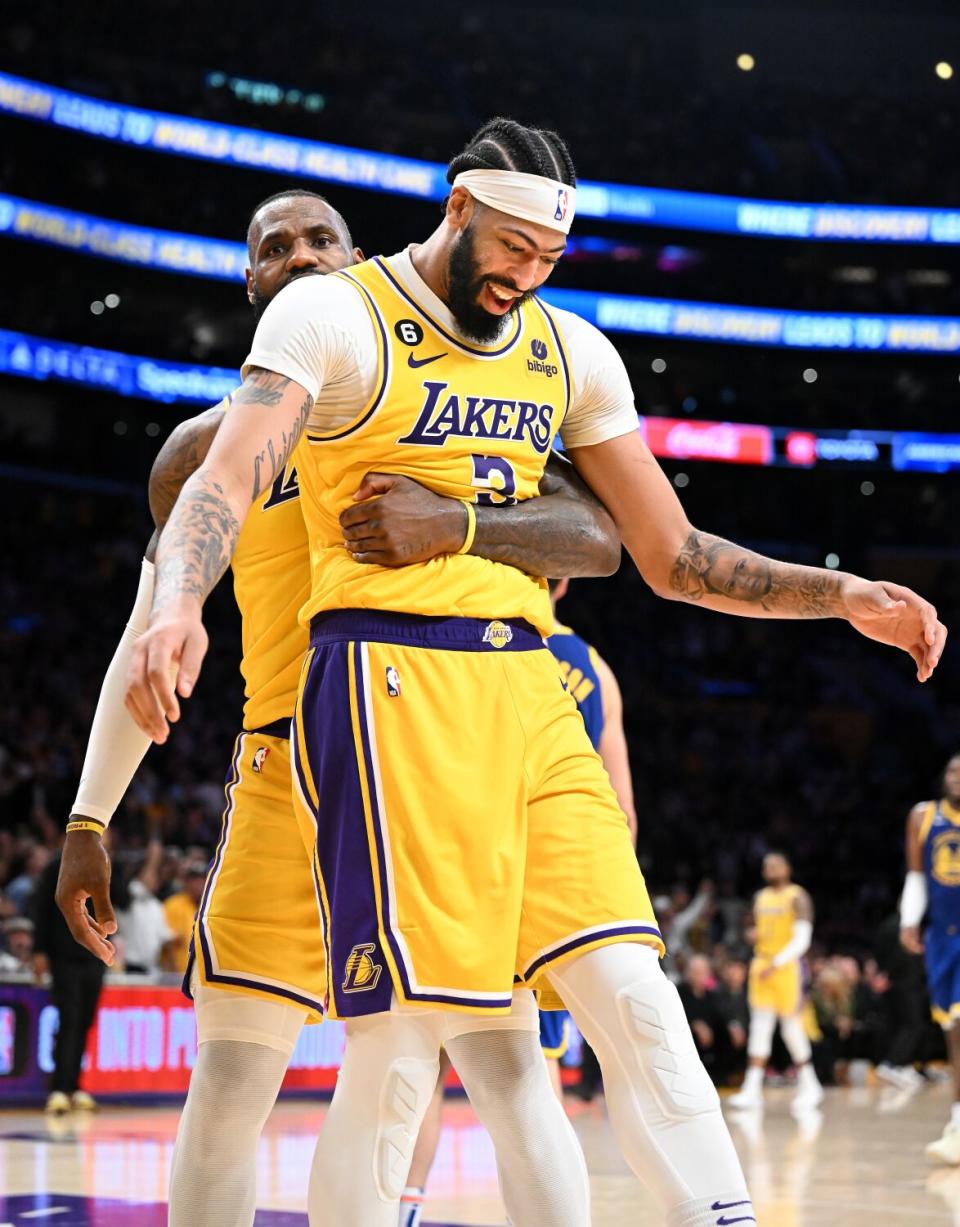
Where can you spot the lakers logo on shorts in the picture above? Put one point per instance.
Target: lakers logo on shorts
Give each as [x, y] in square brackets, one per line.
[259, 758]
[362, 973]
[497, 633]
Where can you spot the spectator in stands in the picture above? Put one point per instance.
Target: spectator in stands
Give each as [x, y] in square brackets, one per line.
[143, 934]
[732, 994]
[834, 1010]
[22, 886]
[179, 911]
[18, 939]
[701, 1001]
[76, 977]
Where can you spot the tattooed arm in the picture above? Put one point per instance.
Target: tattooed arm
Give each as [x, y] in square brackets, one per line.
[682, 563]
[394, 521]
[180, 457]
[251, 447]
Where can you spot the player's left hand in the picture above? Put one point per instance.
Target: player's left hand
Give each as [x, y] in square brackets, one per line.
[895, 615]
[766, 971]
[394, 521]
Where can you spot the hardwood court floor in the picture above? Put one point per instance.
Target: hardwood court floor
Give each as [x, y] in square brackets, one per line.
[859, 1161]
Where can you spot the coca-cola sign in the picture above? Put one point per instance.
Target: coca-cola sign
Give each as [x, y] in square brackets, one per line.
[727, 441]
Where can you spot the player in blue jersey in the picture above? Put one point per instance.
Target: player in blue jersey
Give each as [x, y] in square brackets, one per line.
[932, 886]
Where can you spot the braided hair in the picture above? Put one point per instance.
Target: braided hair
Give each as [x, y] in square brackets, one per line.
[504, 144]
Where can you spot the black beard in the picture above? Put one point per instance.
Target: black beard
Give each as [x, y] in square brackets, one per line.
[464, 284]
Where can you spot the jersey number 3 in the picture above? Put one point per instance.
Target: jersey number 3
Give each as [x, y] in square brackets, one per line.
[495, 479]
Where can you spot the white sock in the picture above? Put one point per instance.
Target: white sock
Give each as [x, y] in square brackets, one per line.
[709, 1212]
[411, 1206]
[754, 1079]
[807, 1076]
[955, 1115]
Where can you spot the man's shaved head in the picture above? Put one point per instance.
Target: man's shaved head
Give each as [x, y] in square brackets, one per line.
[254, 226]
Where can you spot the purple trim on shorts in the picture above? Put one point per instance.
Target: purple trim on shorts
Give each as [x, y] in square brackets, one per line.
[420, 631]
[378, 818]
[587, 939]
[214, 977]
[343, 850]
[296, 751]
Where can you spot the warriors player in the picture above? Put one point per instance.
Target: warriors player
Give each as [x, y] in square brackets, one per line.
[449, 839]
[259, 972]
[933, 885]
[783, 918]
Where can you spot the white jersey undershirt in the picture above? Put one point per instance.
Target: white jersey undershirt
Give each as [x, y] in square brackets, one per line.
[318, 333]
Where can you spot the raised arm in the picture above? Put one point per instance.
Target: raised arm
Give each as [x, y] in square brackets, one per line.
[251, 447]
[395, 521]
[116, 745]
[682, 563]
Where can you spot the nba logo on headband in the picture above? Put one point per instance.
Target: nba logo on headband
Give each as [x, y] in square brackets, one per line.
[562, 198]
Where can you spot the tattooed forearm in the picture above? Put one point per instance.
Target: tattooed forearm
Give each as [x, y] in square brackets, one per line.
[197, 543]
[709, 567]
[267, 388]
[180, 457]
[551, 536]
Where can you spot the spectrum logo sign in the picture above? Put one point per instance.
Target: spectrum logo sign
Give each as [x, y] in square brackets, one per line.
[726, 441]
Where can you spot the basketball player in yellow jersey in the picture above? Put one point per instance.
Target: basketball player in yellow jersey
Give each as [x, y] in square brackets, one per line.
[783, 918]
[461, 774]
[259, 962]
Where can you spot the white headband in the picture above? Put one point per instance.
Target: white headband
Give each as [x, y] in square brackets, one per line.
[532, 197]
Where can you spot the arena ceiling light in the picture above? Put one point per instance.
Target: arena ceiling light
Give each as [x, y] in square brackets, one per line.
[746, 62]
[944, 70]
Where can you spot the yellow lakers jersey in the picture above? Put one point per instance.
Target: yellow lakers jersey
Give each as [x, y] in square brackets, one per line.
[271, 582]
[469, 421]
[774, 912]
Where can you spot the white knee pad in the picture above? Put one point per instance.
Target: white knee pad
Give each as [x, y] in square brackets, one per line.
[406, 1094]
[796, 1039]
[657, 1026]
[762, 1026]
[225, 1015]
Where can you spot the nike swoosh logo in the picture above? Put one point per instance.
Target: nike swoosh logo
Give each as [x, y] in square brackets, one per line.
[728, 1222]
[729, 1205]
[415, 362]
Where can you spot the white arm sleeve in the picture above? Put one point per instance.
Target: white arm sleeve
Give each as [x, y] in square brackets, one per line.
[116, 746]
[913, 901]
[797, 946]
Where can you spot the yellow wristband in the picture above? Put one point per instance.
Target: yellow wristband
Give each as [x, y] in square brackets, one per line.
[91, 825]
[471, 528]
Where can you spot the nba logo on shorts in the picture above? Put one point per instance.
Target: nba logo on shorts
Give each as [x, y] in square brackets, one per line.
[562, 201]
[361, 972]
[497, 633]
[393, 682]
[260, 758]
